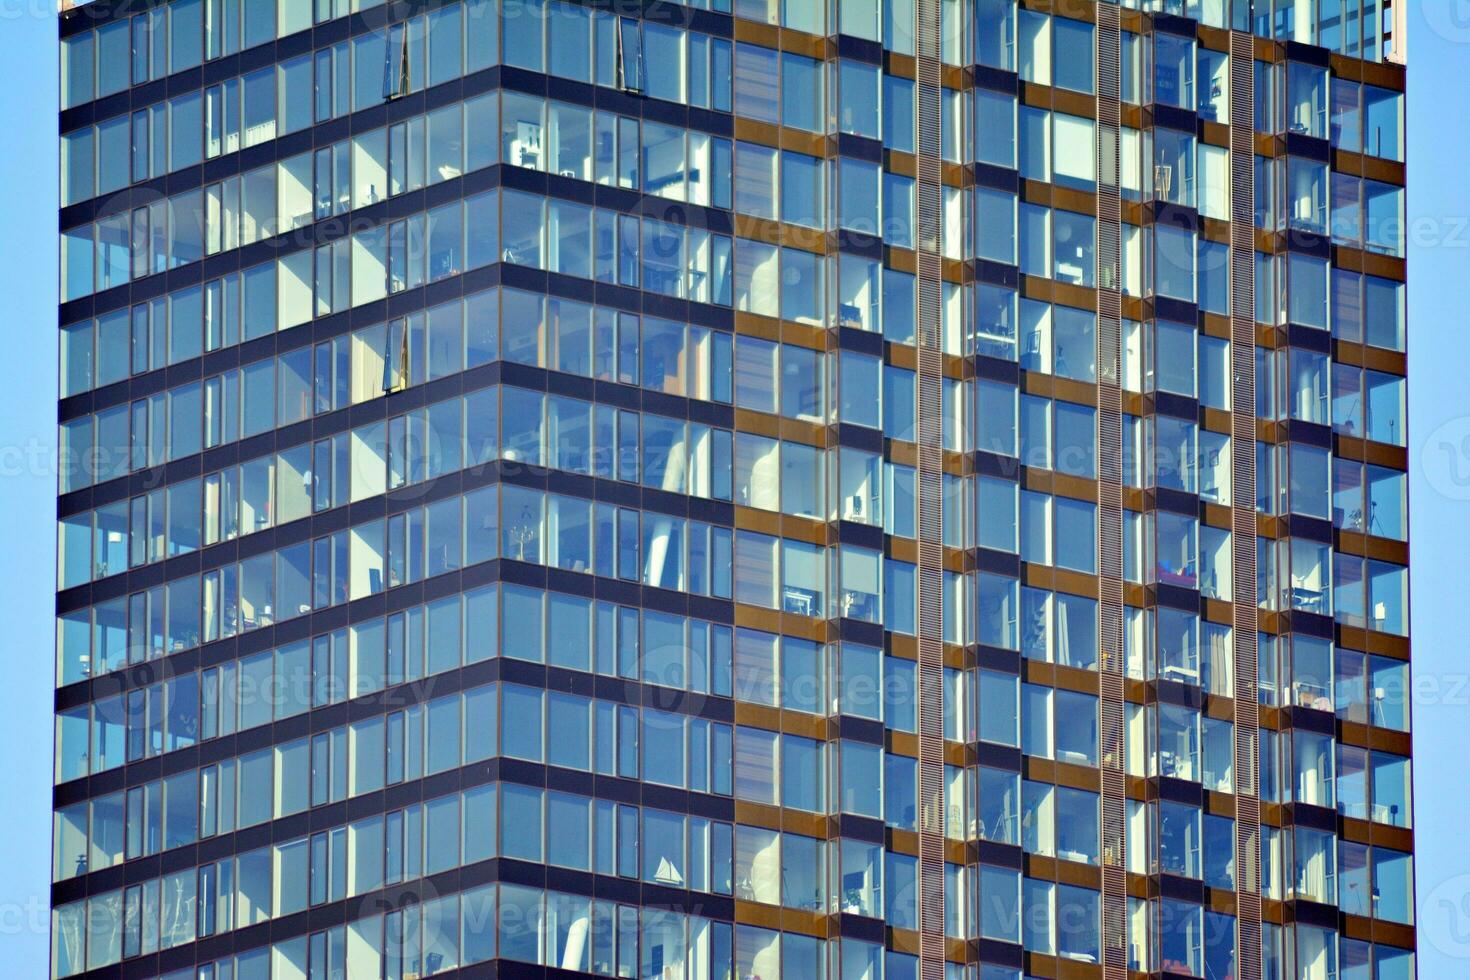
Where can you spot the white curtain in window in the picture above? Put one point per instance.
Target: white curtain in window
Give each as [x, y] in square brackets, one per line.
[1064, 642]
[288, 959]
[1130, 258]
[1140, 950]
[1271, 863]
[1314, 769]
[1075, 148]
[1218, 649]
[364, 940]
[862, 883]
[1038, 820]
[1140, 753]
[1139, 838]
[700, 439]
[1130, 177]
[860, 497]
[758, 471]
[757, 278]
[860, 575]
[664, 944]
[654, 564]
[699, 948]
[858, 286]
[1136, 645]
[1315, 952]
[1214, 192]
[758, 860]
[954, 809]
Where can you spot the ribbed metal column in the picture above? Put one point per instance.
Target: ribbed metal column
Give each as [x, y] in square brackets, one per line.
[931, 512]
[1243, 504]
[1110, 501]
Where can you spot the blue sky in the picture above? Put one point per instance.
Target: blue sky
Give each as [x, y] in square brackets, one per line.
[1439, 434]
[28, 54]
[1439, 473]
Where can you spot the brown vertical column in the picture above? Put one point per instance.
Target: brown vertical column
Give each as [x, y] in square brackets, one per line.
[931, 468]
[1243, 504]
[1110, 501]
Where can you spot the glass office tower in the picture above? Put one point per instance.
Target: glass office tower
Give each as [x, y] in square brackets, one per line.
[848, 490]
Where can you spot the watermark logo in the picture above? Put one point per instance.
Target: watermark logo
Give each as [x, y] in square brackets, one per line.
[1444, 917]
[1445, 459]
[1450, 19]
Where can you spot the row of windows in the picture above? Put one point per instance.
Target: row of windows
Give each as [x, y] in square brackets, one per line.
[339, 669]
[1159, 548]
[1295, 573]
[220, 313]
[564, 532]
[1048, 243]
[579, 833]
[391, 62]
[1160, 452]
[278, 100]
[663, 355]
[546, 333]
[753, 864]
[565, 631]
[1356, 29]
[539, 35]
[788, 575]
[1044, 819]
[1299, 190]
[426, 247]
[1175, 454]
[1167, 69]
[1307, 492]
[1170, 260]
[655, 746]
[176, 36]
[568, 631]
[280, 197]
[165, 522]
[520, 427]
[1178, 454]
[422, 740]
[1293, 192]
[275, 101]
[684, 262]
[575, 633]
[569, 434]
[1056, 822]
[367, 659]
[573, 42]
[1182, 840]
[1045, 737]
[1306, 386]
[511, 721]
[664, 258]
[296, 678]
[668, 849]
[690, 655]
[523, 924]
[598, 936]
